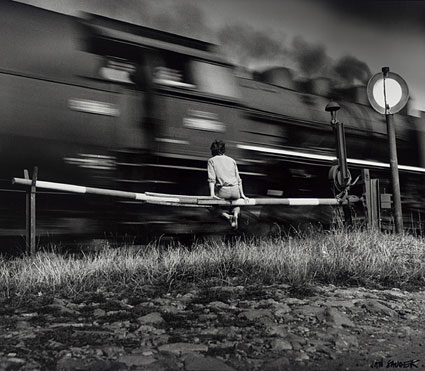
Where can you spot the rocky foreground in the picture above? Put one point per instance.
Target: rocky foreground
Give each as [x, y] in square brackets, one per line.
[219, 328]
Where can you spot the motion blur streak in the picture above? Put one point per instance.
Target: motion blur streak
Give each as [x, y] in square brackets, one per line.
[101, 103]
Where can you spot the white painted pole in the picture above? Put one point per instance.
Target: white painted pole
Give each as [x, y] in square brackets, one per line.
[178, 200]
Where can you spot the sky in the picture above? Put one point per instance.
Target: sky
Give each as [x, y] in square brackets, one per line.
[345, 40]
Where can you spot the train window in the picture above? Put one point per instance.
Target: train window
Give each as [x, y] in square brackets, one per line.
[179, 70]
[214, 79]
[117, 70]
[174, 71]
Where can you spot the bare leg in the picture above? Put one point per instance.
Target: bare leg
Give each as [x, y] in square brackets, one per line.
[234, 221]
[227, 216]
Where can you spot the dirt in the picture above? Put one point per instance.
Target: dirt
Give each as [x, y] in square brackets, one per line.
[215, 328]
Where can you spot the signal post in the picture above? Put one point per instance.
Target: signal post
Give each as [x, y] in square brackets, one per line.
[388, 94]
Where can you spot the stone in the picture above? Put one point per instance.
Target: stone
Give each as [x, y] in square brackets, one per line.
[375, 307]
[102, 365]
[207, 317]
[218, 305]
[295, 301]
[182, 348]
[337, 319]
[297, 342]
[345, 293]
[309, 311]
[160, 340]
[70, 364]
[99, 312]
[255, 314]
[170, 309]
[55, 344]
[280, 344]
[30, 315]
[23, 325]
[346, 341]
[113, 351]
[137, 359]
[16, 361]
[278, 330]
[280, 310]
[152, 318]
[341, 303]
[62, 309]
[209, 331]
[199, 363]
[394, 293]
[186, 298]
[279, 364]
[145, 329]
[302, 357]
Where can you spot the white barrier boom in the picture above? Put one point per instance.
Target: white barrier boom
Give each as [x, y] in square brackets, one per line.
[177, 200]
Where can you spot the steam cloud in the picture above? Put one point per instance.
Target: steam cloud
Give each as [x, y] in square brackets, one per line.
[311, 59]
[349, 69]
[244, 45]
[184, 18]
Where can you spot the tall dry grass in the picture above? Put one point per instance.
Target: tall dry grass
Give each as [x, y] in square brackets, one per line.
[338, 257]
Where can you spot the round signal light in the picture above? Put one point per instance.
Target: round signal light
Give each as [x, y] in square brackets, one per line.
[392, 90]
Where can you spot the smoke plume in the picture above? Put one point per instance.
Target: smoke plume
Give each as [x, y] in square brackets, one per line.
[246, 46]
[243, 45]
[349, 69]
[311, 59]
[180, 17]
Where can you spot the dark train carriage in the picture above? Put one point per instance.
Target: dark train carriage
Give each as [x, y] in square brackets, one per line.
[191, 99]
[52, 115]
[104, 103]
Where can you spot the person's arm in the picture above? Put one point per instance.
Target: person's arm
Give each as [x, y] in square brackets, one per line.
[212, 190]
[241, 191]
[211, 178]
[240, 183]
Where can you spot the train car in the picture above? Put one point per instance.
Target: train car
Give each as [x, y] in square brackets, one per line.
[99, 102]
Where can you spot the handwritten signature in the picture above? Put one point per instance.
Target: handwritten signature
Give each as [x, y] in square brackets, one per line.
[413, 363]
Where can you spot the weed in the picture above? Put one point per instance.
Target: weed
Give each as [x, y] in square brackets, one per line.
[355, 257]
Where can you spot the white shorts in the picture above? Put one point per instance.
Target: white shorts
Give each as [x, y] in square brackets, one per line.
[229, 193]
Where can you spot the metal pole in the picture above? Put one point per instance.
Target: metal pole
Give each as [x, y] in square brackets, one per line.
[342, 152]
[389, 118]
[398, 215]
[176, 200]
[30, 211]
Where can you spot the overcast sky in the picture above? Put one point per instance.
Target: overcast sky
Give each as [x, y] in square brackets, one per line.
[343, 39]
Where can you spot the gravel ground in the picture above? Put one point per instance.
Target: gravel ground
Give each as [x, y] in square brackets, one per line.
[216, 328]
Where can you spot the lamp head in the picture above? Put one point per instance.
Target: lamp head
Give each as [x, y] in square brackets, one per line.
[332, 107]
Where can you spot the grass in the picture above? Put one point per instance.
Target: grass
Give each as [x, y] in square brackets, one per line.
[371, 259]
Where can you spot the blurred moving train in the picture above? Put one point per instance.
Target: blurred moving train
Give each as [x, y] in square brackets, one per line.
[98, 102]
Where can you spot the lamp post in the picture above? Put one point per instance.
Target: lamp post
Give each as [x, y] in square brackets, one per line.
[388, 94]
[342, 175]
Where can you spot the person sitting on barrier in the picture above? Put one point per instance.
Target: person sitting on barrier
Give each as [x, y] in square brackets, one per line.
[224, 180]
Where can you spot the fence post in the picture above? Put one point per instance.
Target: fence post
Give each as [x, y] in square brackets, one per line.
[30, 211]
[371, 187]
[376, 202]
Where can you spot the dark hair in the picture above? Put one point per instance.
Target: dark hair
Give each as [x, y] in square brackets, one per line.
[218, 148]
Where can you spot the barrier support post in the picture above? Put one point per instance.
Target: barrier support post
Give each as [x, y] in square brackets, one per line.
[30, 211]
[371, 187]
